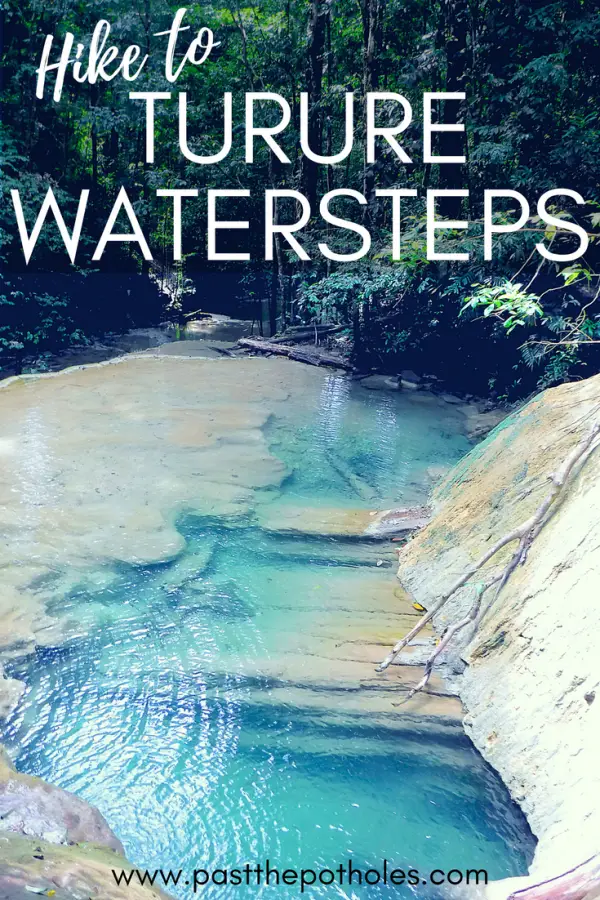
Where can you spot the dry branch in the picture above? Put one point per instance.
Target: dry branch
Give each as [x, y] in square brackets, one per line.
[525, 534]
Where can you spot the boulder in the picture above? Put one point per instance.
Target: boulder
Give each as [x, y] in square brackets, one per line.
[532, 680]
[451, 398]
[380, 383]
[30, 807]
[398, 521]
[54, 844]
[479, 424]
[409, 375]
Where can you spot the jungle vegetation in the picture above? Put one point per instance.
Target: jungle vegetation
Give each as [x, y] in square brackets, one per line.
[529, 69]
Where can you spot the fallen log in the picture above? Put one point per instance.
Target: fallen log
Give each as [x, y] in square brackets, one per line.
[310, 357]
[357, 484]
[308, 333]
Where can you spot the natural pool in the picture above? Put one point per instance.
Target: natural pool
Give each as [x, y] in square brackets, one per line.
[203, 620]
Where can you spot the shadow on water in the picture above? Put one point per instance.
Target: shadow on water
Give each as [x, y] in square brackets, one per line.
[192, 760]
[217, 708]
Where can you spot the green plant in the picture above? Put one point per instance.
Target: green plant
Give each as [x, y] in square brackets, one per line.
[507, 301]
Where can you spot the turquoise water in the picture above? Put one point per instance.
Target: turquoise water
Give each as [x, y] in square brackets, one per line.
[218, 708]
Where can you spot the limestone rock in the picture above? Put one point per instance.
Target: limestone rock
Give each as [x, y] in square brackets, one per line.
[23, 623]
[380, 383]
[75, 872]
[535, 660]
[343, 522]
[315, 520]
[11, 691]
[30, 807]
[398, 521]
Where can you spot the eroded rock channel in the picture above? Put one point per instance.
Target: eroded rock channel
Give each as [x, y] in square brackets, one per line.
[193, 602]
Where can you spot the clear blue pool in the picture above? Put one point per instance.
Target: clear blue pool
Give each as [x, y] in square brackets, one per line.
[204, 704]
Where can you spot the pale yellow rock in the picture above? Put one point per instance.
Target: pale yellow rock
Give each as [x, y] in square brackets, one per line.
[99, 461]
[11, 691]
[23, 622]
[320, 520]
[532, 686]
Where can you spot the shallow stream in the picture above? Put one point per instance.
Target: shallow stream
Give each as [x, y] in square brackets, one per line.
[203, 613]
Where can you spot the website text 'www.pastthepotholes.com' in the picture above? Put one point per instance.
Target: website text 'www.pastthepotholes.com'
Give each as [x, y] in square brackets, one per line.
[267, 875]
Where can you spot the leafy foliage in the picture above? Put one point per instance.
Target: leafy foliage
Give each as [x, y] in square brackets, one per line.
[508, 301]
[532, 116]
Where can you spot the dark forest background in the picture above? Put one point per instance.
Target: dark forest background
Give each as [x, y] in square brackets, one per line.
[531, 73]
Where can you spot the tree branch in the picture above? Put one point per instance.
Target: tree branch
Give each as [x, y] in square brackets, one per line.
[525, 534]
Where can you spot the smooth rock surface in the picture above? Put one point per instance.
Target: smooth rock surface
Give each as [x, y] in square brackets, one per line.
[78, 872]
[532, 681]
[30, 807]
[54, 843]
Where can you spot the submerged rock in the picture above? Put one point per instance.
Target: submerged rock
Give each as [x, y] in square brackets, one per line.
[480, 423]
[318, 520]
[343, 522]
[437, 472]
[450, 398]
[11, 691]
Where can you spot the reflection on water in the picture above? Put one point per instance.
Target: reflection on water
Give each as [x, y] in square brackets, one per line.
[222, 707]
[384, 440]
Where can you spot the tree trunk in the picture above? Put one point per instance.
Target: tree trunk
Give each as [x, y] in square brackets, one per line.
[453, 34]
[315, 47]
[94, 133]
[273, 300]
[372, 17]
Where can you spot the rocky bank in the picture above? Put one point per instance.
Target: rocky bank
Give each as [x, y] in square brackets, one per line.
[56, 845]
[530, 677]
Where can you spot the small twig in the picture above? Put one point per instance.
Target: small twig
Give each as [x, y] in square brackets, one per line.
[447, 637]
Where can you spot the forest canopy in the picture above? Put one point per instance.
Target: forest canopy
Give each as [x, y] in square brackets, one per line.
[523, 78]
